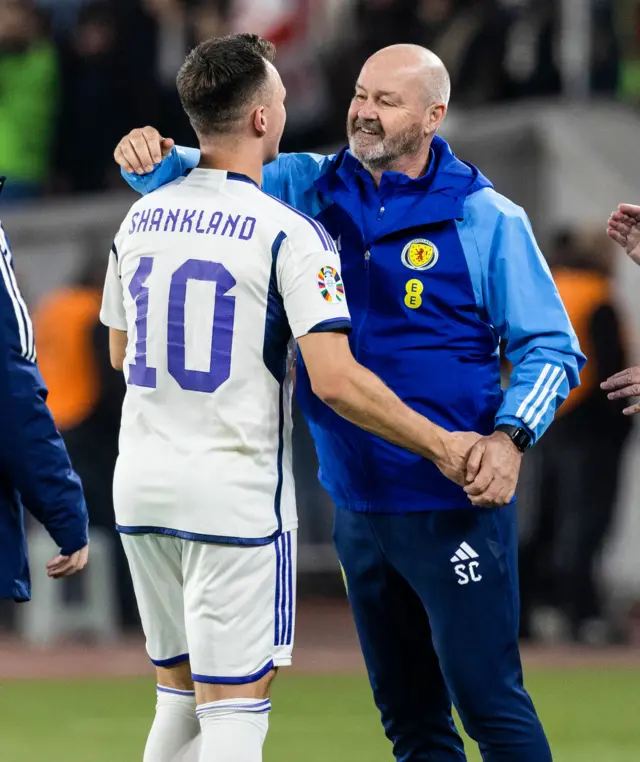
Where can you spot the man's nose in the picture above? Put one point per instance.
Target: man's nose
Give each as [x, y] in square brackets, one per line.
[367, 111]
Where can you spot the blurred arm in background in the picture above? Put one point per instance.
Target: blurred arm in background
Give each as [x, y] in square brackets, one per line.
[624, 228]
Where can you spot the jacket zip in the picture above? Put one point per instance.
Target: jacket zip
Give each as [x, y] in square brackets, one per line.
[365, 311]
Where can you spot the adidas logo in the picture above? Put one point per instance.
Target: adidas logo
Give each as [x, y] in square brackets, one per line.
[464, 553]
[466, 566]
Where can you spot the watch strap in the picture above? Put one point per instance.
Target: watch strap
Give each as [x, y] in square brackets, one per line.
[517, 434]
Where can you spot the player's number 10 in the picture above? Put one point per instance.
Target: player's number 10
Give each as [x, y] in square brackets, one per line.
[140, 374]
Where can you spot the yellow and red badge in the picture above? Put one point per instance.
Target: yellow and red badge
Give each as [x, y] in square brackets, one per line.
[420, 254]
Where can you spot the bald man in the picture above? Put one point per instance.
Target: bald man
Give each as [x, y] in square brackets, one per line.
[439, 269]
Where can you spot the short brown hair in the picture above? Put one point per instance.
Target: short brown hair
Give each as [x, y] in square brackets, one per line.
[220, 78]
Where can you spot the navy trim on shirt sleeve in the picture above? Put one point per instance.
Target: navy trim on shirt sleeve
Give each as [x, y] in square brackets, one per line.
[337, 325]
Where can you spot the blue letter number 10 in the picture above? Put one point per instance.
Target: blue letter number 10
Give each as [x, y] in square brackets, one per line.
[140, 374]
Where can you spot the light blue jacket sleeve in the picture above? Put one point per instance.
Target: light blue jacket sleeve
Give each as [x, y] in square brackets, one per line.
[290, 177]
[516, 294]
[175, 165]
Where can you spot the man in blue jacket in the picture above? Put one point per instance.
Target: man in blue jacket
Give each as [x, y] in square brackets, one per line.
[438, 268]
[35, 471]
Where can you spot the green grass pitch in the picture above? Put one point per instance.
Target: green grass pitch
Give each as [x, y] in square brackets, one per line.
[589, 715]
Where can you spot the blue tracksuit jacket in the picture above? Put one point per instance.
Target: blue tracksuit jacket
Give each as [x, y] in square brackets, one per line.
[34, 466]
[437, 270]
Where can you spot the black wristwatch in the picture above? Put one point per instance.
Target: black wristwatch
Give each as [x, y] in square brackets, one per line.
[519, 436]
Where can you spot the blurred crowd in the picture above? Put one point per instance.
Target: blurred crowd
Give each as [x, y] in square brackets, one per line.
[77, 74]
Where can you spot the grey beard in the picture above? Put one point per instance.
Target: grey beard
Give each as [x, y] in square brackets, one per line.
[407, 143]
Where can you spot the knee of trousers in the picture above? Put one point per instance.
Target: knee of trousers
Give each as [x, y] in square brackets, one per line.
[507, 716]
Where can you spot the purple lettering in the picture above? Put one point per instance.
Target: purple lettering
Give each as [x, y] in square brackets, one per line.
[232, 222]
[214, 223]
[248, 226]
[140, 374]
[132, 229]
[144, 220]
[156, 219]
[172, 217]
[187, 218]
[222, 328]
[198, 228]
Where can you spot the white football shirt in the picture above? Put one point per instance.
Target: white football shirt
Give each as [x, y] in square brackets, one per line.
[211, 279]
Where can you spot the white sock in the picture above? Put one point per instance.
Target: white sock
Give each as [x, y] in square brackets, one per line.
[175, 733]
[233, 730]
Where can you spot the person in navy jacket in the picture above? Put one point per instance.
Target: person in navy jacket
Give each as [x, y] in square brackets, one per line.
[438, 269]
[35, 471]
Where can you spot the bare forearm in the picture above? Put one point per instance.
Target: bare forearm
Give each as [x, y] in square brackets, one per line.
[363, 399]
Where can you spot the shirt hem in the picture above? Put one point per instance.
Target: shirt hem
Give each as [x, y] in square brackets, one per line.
[201, 537]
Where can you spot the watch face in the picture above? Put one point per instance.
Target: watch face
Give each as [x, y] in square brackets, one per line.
[520, 437]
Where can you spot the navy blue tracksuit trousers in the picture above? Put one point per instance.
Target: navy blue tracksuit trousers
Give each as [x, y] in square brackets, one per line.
[435, 601]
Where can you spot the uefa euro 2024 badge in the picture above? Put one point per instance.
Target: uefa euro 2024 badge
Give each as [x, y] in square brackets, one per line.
[420, 254]
[330, 284]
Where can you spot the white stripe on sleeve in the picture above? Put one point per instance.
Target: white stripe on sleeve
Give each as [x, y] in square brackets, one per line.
[551, 396]
[546, 390]
[534, 391]
[25, 328]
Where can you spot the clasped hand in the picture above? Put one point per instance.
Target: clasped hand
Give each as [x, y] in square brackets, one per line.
[487, 467]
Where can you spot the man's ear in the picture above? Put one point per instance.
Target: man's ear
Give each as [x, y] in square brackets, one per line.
[435, 117]
[260, 121]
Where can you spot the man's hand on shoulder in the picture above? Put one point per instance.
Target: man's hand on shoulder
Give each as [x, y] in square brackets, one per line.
[453, 460]
[66, 566]
[142, 149]
[624, 228]
[622, 385]
[493, 468]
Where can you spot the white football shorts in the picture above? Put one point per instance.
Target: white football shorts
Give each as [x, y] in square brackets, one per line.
[229, 609]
